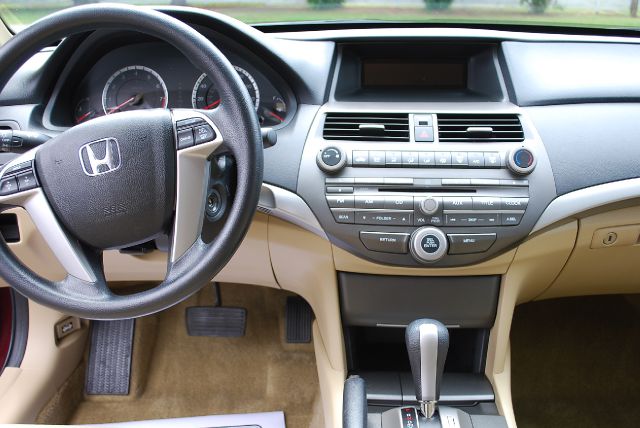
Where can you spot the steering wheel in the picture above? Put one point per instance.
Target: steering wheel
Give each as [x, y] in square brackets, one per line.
[128, 177]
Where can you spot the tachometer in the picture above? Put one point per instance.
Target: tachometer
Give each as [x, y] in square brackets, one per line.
[133, 88]
[205, 95]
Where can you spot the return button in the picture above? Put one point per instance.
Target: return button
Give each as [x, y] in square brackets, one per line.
[385, 242]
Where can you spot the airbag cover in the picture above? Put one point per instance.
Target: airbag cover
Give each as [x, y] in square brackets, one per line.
[111, 181]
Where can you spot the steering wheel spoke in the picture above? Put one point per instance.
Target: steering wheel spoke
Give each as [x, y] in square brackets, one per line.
[197, 138]
[20, 188]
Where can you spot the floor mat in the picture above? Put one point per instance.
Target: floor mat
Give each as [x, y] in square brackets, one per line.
[576, 362]
[250, 420]
[176, 375]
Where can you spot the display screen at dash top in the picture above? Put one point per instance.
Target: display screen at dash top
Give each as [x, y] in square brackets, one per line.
[413, 74]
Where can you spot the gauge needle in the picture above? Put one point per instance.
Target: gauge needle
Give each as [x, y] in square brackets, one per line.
[212, 105]
[122, 104]
[84, 116]
[280, 118]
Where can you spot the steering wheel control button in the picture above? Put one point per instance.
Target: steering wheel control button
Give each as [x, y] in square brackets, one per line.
[8, 186]
[203, 134]
[185, 138]
[27, 181]
[396, 243]
[510, 219]
[428, 244]
[331, 159]
[18, 168]
[521, 161]
[189, 123]
[343, 216]
[463, 243]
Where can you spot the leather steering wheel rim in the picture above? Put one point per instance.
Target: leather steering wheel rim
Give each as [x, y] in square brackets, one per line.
[239, 131]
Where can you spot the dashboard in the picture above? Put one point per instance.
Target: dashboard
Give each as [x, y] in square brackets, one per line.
[404, 147]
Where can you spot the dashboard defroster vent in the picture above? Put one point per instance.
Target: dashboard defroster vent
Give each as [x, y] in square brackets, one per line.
[479, 128]
[366, 127]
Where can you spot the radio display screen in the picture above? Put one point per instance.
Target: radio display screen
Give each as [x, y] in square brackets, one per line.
[394, 73]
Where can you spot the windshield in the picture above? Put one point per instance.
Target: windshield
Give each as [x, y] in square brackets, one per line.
[574, 13]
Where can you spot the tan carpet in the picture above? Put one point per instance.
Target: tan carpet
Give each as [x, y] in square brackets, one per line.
[576, 363]
[175, 375]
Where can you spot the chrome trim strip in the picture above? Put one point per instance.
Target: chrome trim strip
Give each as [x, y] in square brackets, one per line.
[582, 200]
[428, 363]
[290, 207]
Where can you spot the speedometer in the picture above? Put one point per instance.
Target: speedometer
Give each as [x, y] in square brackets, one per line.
[133, 88]
[205, 95]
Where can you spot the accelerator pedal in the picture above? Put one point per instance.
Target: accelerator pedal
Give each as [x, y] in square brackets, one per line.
[299, 317]
[109, 368]
[217, 320]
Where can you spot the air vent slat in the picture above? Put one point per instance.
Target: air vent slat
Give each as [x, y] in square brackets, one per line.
[366, 127]
[455, 128]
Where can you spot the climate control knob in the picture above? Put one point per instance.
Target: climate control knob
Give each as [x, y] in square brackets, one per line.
[331, 159]
[521, 161]
[428, 244]
[429, 205]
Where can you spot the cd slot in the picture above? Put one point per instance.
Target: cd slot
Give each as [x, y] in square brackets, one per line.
[425, 190]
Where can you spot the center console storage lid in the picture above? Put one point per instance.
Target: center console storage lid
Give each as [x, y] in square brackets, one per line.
[377, 300]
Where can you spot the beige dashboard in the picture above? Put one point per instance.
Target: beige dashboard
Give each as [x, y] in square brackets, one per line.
[573, 257]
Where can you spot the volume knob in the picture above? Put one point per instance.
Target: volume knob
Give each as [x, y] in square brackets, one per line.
[521, 161]
[429, 205]
[331, 159]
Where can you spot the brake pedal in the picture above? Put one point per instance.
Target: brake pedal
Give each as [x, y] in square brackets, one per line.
[217, 320]
[109, 368]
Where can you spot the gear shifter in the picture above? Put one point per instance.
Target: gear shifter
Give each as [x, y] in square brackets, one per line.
[427, 344]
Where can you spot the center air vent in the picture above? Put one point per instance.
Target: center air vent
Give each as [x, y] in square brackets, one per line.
[366, 127]
[479, 127]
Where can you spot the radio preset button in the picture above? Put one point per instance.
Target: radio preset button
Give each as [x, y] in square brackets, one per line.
[443, 158]
[458, 203]
[385, 218]
[369, 202]
[468, 243]
[343, 216]
[385, 242]
[514, 183]
[345, 201]
[511, 219]
[393, 158]
[486, 203]
[515, 203]
[398, 202]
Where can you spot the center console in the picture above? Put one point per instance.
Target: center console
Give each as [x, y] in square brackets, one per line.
[451, 180]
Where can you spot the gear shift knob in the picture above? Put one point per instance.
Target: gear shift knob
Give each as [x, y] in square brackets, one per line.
[427, 344]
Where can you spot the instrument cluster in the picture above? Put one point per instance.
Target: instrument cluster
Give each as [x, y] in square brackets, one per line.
[155, 75]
